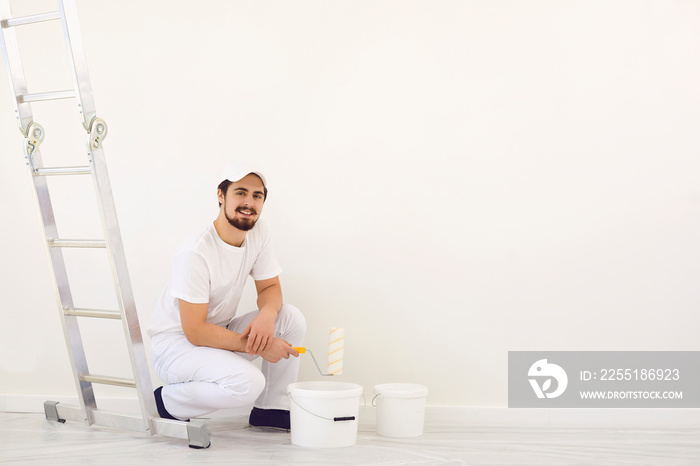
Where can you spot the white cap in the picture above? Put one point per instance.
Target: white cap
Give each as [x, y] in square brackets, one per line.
[237, 170]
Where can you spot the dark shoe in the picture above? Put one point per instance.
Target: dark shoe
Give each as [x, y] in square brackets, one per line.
[162, 412]
[276, 418]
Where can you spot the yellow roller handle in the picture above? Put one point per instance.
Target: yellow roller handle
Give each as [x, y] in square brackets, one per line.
[299, 349]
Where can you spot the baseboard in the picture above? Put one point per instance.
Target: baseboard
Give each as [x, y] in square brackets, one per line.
[453, 416]
[35, 403]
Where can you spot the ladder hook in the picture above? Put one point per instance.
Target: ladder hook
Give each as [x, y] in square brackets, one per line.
[98, 131]
[32, 140]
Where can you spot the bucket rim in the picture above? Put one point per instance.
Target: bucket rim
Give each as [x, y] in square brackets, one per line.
[401, 390]
[318, 389]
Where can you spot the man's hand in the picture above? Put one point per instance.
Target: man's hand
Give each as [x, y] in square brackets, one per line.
[278, 349]
[260, 333]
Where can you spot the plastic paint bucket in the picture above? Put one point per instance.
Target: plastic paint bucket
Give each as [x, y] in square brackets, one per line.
[400, 409]
[324, 414]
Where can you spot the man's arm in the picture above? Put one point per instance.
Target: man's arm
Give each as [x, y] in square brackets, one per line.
[199, 332]
[261, 330]
[269, 295]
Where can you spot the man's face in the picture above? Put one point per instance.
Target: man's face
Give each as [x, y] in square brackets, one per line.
[243, 202]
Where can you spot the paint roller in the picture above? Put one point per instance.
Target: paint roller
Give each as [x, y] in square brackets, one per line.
[336, 339]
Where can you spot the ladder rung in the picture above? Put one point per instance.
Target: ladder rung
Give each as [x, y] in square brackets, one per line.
[41, 96]
[108, 380]
[98, 313]
[62, 171]
[77, 243]
[20, 20]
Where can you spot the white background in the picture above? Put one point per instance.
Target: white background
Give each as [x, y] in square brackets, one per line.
[449, 181]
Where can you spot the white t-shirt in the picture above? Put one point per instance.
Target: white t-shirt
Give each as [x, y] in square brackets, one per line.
[208, 270]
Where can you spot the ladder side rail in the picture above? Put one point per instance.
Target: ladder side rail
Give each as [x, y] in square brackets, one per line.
[100, 176]
[23, 113]
[76, 55]
[123, 289]
[170, 428]
[71, 330]
[15, 70]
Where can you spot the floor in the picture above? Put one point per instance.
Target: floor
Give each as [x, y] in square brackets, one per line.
[28, 439]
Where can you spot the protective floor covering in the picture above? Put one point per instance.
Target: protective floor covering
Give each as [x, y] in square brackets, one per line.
[28, 439]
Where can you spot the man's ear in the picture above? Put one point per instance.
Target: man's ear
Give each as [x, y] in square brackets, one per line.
[220, 195]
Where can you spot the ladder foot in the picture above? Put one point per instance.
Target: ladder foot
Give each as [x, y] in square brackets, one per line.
[199, 447]
[198, 436]
[51, 412]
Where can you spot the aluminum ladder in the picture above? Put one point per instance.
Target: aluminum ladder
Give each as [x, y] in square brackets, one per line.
[195, 432]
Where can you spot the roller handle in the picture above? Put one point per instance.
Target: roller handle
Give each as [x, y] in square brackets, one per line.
[303, 350]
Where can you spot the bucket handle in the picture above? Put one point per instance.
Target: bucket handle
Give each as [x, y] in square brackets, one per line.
[335, 419]
[375, 397]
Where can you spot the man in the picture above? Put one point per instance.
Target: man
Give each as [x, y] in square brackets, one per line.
[200, 348]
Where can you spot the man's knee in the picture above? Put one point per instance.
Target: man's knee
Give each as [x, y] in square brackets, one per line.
[294, 319]
[245, 387]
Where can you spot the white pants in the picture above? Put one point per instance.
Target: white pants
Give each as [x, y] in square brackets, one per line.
[202, 379]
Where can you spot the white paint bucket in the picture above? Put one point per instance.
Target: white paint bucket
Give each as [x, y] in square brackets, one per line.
[400, 409]
[324, 414]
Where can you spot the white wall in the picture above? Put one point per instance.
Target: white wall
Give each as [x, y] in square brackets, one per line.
[449, 180]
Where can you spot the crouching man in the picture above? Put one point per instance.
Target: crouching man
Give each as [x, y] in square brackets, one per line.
[201, 348]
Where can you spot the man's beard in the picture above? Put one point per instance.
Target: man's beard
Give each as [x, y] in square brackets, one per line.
[243, 224]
